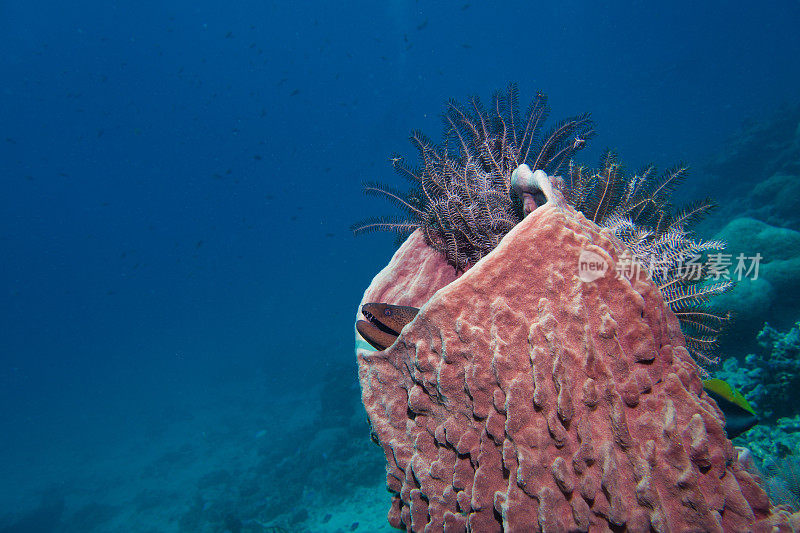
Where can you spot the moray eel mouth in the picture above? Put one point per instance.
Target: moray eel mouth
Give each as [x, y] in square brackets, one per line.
[384, 322]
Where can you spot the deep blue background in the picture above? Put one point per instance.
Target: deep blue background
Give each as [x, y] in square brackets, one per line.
[178, 178]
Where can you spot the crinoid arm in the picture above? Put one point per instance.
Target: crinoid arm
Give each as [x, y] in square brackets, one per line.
[408, 202]
[384, 223]
[650, 201]
[691, 214]
[600, 193]
[561, 143]
[702, 327]
[682, 297]
[703, 321]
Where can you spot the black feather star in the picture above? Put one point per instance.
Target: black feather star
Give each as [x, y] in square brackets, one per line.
[461, 191]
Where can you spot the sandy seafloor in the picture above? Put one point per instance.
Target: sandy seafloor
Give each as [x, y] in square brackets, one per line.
[203, 462]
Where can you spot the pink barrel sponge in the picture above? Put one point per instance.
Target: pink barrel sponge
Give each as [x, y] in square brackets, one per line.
[524, 397]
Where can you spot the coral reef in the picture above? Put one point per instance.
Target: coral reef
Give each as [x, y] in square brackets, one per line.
[757, 173]
[770, 378]
[522, 398]
[460, 194]
[774, 200]
[772, 453]
[762, 151]
[778, 439]
[768, 295]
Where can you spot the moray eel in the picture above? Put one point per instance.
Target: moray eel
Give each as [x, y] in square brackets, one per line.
[385, 321]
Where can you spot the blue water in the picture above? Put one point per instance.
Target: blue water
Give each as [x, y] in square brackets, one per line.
[178, 180]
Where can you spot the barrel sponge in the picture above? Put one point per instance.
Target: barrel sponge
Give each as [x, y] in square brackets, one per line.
[521, 398]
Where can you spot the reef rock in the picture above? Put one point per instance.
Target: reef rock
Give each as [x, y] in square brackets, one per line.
[522, 398]
[768, 295]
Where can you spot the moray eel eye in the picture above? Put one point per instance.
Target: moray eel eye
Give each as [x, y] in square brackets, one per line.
[387, 312]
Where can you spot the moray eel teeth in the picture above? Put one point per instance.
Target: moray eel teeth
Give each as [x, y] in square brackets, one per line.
[384, 322]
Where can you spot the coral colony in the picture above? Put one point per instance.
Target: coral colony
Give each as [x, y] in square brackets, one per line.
[526, 394]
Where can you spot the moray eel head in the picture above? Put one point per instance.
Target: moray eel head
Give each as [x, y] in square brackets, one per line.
[384, 322]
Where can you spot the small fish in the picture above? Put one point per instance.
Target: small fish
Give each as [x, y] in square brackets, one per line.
[739, 414]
